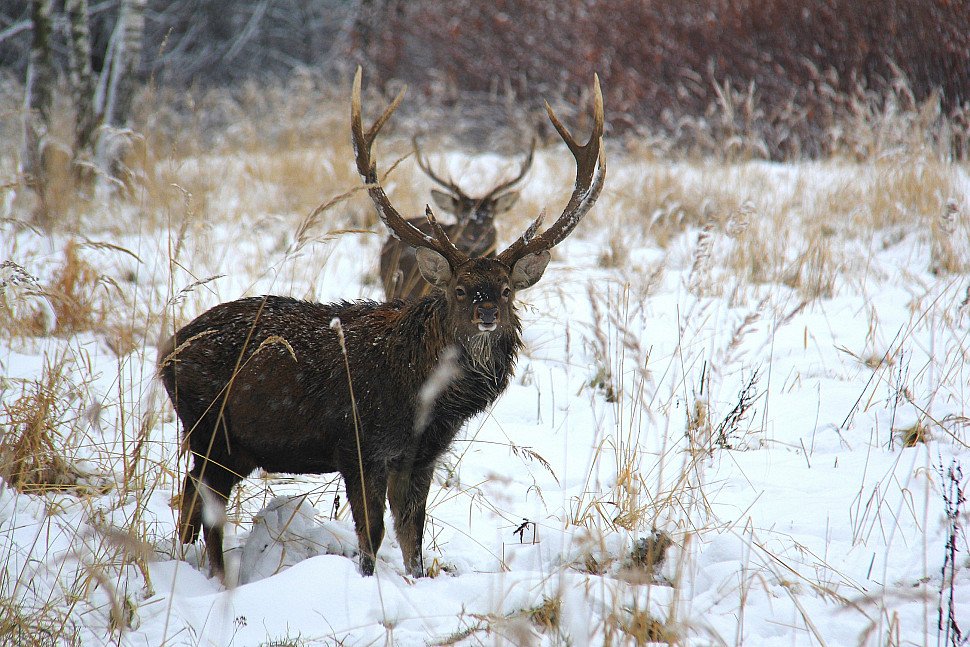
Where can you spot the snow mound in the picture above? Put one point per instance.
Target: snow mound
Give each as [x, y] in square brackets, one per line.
[283, 534]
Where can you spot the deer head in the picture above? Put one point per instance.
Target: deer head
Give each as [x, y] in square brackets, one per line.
[478, 290]
[468, 210]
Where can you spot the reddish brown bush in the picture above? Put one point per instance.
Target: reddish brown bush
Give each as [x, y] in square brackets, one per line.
[758, 77]
[798, 63]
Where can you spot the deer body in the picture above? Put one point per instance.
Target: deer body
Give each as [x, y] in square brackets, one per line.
[288, 405]
[374, 391]
[307, 423]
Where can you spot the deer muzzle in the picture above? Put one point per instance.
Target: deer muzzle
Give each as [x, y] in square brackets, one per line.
[486, 316]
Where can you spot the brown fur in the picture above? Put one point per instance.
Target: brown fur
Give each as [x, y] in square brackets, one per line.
[287, 405]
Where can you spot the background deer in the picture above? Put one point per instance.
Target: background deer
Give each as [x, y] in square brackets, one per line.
[473, 231]
[375, 391]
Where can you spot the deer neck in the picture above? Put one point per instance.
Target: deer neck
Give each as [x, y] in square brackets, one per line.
[490, 354]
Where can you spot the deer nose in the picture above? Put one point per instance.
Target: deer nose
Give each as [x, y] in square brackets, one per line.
[486, 313]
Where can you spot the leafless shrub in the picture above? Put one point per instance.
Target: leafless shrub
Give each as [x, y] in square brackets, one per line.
[788, 80]
[954, 497]
[726, 431]
[713, 72]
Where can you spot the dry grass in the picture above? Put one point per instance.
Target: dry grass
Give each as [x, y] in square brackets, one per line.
[62, 196]
[76, 295]
[46, 626]
[546, 616]
[276, 176]
[24, 307]
[913, 435]
[33, 447]
[948, 234]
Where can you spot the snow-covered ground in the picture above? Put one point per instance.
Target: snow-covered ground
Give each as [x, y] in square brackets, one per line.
[782, 398]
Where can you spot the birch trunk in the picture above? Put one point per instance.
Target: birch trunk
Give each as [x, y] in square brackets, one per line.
[124, 67]
[121, 85]
[82, 79]
[38, 102]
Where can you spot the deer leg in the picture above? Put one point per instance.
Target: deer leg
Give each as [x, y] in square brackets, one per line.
[214, 488]
[367, 505]
[407, 492]
[190, 508]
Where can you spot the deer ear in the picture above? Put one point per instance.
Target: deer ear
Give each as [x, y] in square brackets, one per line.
[433, 267]
[528, 269]
[506, 201]
[445, 201]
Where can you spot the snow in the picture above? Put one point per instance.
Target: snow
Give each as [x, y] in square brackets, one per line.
[808, 523]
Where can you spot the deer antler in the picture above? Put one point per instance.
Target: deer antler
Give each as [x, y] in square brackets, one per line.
[424, 166]
[590, 175]
[526, 165]
[367, 167]
[456, 190]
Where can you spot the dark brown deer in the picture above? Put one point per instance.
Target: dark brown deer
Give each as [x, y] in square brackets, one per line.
[473, 231]
[375, 391]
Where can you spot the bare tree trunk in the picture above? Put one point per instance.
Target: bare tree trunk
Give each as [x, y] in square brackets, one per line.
[124, 69]
[82, 80]
[121, 85]
[38, 103]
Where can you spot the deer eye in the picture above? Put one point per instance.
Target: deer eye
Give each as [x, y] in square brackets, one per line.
[506, 292]
[460, 292]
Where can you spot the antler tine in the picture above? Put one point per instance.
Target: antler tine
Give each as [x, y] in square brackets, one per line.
[424, 166]
[590, 176]
[363, 141]
[438, 230]
[526, 165]
[367, 167]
